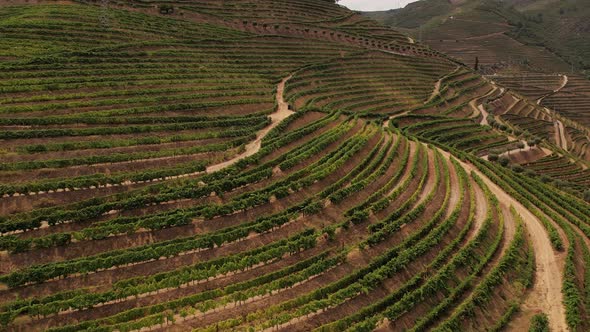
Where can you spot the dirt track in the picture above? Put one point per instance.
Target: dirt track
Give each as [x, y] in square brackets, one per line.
[281, 113]
[479, 109]
[480, 37]
[435, 92]
[484, 115]
[481, 209]
[560, 139]
[546, 295]
[251, 148]
[564, 82]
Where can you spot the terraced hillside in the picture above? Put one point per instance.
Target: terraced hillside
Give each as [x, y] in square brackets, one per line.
[515, 45]
[554, 100]
[290, 165]
[494, 32]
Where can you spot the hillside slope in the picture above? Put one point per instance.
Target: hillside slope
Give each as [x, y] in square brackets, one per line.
[528, 47]
[281, 164]
[502, 35]
[559, 27]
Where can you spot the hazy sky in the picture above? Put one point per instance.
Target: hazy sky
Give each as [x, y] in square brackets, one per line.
[369, 5]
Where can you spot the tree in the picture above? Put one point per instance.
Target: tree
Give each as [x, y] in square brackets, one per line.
[533, 141]
[359, 216]
[504, 161]
[545, 178]
[166, 9]
[476, 63]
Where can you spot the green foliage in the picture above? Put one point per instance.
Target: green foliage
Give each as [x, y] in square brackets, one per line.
[156, 87]
[539, 323]
[503, 161]
[166, 9]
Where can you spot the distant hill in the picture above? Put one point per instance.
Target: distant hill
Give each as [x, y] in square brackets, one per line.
[284, 165]
[508, 33]
[414, 14]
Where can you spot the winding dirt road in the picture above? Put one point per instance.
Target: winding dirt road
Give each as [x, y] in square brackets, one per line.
[486, 36]
[251, 148]
[435, 92]
[281, 113]
[481, 209]
[484, 115]
[560, 135]
[564, 81]
[546, 295]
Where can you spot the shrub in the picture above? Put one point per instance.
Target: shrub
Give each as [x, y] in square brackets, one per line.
[166, 9]
[545, 178]
[504, 161]
[560, 184]
[359, 217]
[539, 323]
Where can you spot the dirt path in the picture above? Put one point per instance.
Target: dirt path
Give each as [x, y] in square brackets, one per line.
[560, 135]
[282, 113]
[481, 209]
[455, 191]
[546, 295]
[526, 148]
[564, 81]
[484, 115]
[475, 110]
[251, 148]
[430, 182]
[479, 109]
[486, 36]
[398, 53]
[435, 92]
[399, 115]
[391, 117]
[407, 173]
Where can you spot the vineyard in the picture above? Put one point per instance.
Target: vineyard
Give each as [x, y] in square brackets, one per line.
[276, 165]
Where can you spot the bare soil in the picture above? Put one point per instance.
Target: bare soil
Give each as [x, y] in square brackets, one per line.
[546, 295]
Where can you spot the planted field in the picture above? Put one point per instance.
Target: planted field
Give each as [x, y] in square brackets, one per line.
[562, 169]
[496, 50]
[573, 100]
[531, 85]
[394, 83]
[212, 178]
